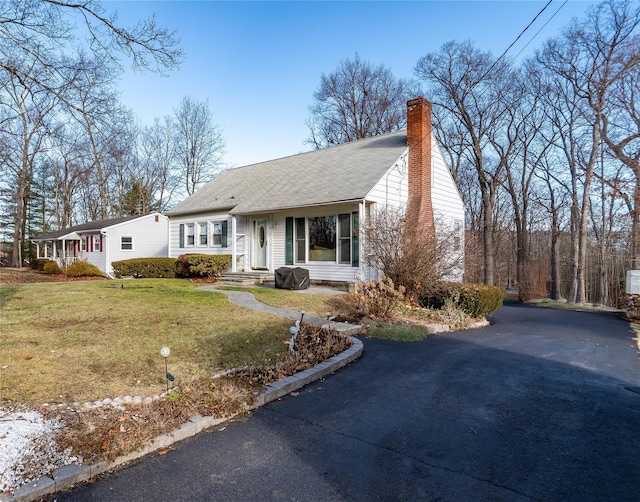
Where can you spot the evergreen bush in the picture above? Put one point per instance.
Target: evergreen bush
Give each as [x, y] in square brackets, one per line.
[476, 300]
[148, 268]
[39, 263]
[50, 267]
[82, 269]
[202, 265]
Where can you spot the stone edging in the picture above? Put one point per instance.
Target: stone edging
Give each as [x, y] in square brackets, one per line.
[65, 477]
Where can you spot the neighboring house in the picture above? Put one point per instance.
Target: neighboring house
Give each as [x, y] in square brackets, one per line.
[104, 241]
[308, 210]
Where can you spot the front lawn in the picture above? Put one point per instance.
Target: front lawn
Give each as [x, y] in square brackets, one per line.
[84, 341]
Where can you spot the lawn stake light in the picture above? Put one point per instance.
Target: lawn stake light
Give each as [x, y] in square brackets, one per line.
[164, 352]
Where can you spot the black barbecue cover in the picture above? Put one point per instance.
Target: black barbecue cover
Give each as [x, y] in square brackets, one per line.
[292, 278]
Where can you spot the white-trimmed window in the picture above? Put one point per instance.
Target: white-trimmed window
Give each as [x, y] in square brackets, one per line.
[191, 238]
[126, 243]
[322, 238]
[96, 243]
[203, 234]
[83, 244]
[216, 233]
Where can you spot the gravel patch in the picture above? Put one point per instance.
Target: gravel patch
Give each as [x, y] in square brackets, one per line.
[28, 449]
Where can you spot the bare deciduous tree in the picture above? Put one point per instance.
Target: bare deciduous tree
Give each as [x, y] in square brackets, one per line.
[473, 89]
[358, 100]
[416, 268]
[198, 141]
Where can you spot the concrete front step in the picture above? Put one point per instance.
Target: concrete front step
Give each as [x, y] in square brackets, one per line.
[245, 278]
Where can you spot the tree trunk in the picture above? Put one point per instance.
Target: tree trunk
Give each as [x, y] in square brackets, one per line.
[555, 265]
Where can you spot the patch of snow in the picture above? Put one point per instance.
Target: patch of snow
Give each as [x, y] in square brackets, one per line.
[28, 449]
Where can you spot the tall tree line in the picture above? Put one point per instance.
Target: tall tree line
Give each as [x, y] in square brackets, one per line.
[70, 151]
[546, 152]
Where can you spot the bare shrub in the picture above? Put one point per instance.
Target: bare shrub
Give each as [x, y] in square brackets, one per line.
[414, 264]
[375, 299]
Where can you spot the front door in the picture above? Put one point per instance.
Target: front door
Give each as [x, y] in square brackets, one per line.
[260, 244]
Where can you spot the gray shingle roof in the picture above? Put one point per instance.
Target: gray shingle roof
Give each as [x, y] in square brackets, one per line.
[340, 173]
[92, 226]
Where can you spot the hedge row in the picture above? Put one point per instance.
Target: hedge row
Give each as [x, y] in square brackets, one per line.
[476, 300]
[157, 268]
[80, 268]
[188, 265]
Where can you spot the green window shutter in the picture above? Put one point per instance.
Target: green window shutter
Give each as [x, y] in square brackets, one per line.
[355, 240]
[223, 238]
[288, 259]
[181, 235]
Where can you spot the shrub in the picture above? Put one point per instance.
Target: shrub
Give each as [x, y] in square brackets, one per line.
[50, 267]
[376, 299]
[476, 300]
[39, 263]
[82, 269]
[630, 303]
[202, 265]
[148, 268]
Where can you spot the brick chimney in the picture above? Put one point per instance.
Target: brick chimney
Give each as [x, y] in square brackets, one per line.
[419, 217]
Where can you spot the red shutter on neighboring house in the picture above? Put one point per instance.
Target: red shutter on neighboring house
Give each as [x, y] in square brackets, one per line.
[90, 242]
[101, 243]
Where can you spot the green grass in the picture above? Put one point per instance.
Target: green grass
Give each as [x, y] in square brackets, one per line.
[79, 341]
[397, 332]
[317, 305]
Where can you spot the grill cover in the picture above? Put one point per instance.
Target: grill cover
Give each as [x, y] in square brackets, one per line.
[292, 278]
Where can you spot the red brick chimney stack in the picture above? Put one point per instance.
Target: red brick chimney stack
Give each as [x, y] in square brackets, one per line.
[419, 218]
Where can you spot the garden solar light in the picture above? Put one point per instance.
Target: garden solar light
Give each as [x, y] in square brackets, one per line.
[293, 330]
[164, 352]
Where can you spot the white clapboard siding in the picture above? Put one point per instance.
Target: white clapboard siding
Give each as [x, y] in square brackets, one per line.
[392, 188]
[241, 239]
[149, 238]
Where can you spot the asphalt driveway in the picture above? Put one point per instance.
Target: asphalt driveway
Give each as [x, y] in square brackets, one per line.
[542, 405]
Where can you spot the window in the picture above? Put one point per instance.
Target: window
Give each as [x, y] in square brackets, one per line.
[218, 237]
[96, 243]
[322, 238]
[126, 243]
[190, 234]
[203, 234]
[83, 244]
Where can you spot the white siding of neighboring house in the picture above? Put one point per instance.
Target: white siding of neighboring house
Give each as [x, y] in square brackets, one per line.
[96, 257]
[149, 234]
[241, 238]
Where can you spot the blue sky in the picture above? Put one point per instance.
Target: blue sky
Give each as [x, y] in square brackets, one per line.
[258, 63]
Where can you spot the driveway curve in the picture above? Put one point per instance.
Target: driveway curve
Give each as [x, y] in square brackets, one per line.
[542, 405]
